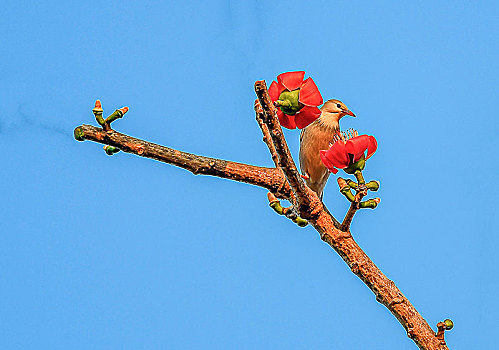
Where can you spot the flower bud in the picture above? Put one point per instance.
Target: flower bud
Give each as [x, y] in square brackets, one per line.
[448, 324]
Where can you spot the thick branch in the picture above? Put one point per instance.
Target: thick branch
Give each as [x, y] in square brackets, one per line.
[384, 289]
[312, 209]
[269, 178]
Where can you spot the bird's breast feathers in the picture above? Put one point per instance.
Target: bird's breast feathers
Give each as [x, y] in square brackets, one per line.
[329, 122]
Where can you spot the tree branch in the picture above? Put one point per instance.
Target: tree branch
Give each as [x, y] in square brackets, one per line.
[267, 138]
[285, 182]
[312, 209]
[384, 289]
[304, 195]
[269, 178]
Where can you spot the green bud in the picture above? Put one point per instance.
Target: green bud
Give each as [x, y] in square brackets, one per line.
[371, 203]
[79, 134]
[110, 150]
[277, 207]
[300, 222]
[448, 324]
[373, 185]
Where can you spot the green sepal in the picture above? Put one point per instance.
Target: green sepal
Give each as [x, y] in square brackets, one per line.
[358, 165]
[288, 102]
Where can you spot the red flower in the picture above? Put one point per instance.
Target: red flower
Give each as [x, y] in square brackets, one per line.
[348, 149]
[296, 98]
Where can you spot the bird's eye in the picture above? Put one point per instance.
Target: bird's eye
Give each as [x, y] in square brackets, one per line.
[338, 105]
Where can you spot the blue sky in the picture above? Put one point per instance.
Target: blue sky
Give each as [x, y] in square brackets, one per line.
[120, 252]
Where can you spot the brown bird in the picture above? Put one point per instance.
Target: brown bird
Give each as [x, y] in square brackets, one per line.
[318, 136]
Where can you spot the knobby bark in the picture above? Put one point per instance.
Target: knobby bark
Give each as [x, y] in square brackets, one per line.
[270, 178]
[285, 182]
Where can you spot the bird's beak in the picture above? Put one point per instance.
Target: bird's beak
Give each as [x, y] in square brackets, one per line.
[349, 112]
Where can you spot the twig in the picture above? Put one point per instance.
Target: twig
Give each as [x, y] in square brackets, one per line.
[269, 178]
[356, 200]
[442, 327]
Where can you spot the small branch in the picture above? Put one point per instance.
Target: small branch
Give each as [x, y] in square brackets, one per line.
[347, 220]
[269, 178]
[361, 189]
[307, 200]
[442, 327]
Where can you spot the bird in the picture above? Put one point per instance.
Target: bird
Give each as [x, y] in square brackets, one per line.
[319, 136]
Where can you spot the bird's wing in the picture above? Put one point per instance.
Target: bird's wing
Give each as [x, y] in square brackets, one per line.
[313, 139]
[301, 154]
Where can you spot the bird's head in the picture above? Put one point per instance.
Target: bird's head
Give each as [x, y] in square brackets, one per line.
[336, 107]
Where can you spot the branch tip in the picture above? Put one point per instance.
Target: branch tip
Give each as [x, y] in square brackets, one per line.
[79, 134]
[446, 325]
[98, 107]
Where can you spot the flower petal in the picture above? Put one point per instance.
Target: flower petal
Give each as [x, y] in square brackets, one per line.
[291, 80]
[275, 90]
[372, 146]
[338, 155]
[357, 146]
[306, 115]
[288, 121]
[326, 162]
[310, 94]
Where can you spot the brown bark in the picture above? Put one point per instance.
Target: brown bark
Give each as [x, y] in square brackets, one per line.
[285, 182]
[260, 117]
[269, 178]
[384, 289]
[285, 160]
